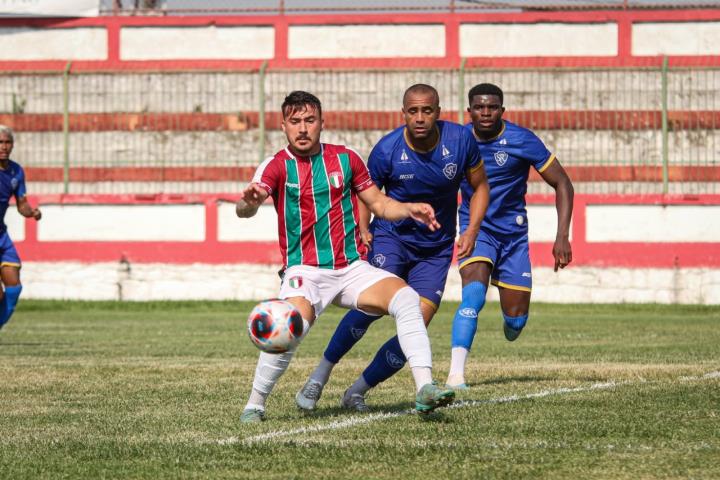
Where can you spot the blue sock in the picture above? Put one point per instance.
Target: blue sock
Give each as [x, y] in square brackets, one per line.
[465, 322]
[350, 329]
[516, 323]
[389, 360]
[7, 307]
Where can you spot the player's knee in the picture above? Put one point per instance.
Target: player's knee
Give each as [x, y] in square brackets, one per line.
[404, 299]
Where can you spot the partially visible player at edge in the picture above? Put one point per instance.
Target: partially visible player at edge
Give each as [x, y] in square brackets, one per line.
[422, 161]
[315, 188]
[12, 184]
[501, 255]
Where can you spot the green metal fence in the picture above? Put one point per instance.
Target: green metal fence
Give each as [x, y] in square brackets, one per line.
[649, 130]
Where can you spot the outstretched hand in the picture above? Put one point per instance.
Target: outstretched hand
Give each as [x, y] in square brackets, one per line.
[424, 213]
[562, 253]
[253, 195]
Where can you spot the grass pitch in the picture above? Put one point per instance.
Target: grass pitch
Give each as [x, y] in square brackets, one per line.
[155, 390]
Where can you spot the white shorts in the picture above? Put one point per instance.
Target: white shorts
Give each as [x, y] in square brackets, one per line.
[323, 286]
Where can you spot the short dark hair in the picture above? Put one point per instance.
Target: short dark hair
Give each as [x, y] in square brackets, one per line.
[485, 89]
[422, 88]
[298, 100]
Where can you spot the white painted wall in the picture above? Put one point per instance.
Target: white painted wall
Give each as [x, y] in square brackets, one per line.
[653, 223]
[82, 43]
[171, 43]
[366, 41]
[540, 39]
[260, 228]
[678, 38]
[122, 223]
[113, 281]
[15, 224]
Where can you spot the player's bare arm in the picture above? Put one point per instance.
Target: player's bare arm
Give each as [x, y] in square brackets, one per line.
[250, 200]
[364, 224]
[385, 207]
[477, 178]
[556, 177]
[26, 210]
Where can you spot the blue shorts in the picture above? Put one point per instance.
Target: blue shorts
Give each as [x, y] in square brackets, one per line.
[509, 257]
[8, 254]
[424, 269]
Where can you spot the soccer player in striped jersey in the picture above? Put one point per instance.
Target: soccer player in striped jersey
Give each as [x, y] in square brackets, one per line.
[424, 160]
[501, 255]
[315, 188]
[12, 184]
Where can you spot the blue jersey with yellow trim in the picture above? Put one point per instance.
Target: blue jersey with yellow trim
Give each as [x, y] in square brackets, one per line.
[508, 158]
[12, 184]
[433, 177]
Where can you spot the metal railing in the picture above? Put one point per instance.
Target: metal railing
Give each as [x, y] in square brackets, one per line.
[635, 130]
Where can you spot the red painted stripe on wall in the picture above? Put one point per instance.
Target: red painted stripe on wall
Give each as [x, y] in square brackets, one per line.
[356, 120]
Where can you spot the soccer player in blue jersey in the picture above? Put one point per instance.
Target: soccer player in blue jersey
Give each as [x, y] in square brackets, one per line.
[424, 160]
[12, 183]
[501, 254]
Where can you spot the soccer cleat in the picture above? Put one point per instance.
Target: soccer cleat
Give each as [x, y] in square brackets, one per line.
[308, 396]
[355, 401]
[431, 397]
[510, 333]
[252, 415]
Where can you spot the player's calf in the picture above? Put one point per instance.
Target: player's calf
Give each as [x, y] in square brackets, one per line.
[512, 326]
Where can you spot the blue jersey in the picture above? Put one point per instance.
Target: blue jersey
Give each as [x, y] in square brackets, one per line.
[433, 177]
[12, 184]
[509, 157]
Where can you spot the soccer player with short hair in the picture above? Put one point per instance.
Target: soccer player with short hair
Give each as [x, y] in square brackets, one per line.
[315, 188]
[12, 184]
[424, 160]
[501, 255]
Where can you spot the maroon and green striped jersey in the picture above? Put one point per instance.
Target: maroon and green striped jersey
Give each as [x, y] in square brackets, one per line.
[316, 201]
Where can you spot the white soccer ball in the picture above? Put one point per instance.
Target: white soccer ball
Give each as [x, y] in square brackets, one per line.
[275, 326]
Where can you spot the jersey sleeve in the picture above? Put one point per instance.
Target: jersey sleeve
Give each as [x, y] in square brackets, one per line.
[473, 159]
[360, 176]
[267, 175]
[536, 152]
[20, 190]
[378, 165]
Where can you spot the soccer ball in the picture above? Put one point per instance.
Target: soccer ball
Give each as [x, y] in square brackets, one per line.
[275, 326]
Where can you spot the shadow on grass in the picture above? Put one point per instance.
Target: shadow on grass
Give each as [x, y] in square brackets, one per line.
[394, 408]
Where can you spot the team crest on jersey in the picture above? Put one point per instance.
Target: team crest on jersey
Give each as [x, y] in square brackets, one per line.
[14, 183]
[500, 158]
[336, 179]
[450, 170]
[295, 282]
[378, 260]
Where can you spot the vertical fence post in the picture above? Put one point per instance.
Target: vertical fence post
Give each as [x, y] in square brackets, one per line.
[261, 112]
[461, 92]
[665, 160]
[66, 128]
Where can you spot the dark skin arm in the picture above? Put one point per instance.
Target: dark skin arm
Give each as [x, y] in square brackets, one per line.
[26, 210]
[478, 206]
[557, 178]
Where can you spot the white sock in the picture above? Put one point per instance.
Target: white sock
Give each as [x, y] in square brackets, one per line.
[268, 371]
[322, 371]
[412, 334]
[457, 363]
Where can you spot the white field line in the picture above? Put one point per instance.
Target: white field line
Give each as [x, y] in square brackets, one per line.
[365, 419]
